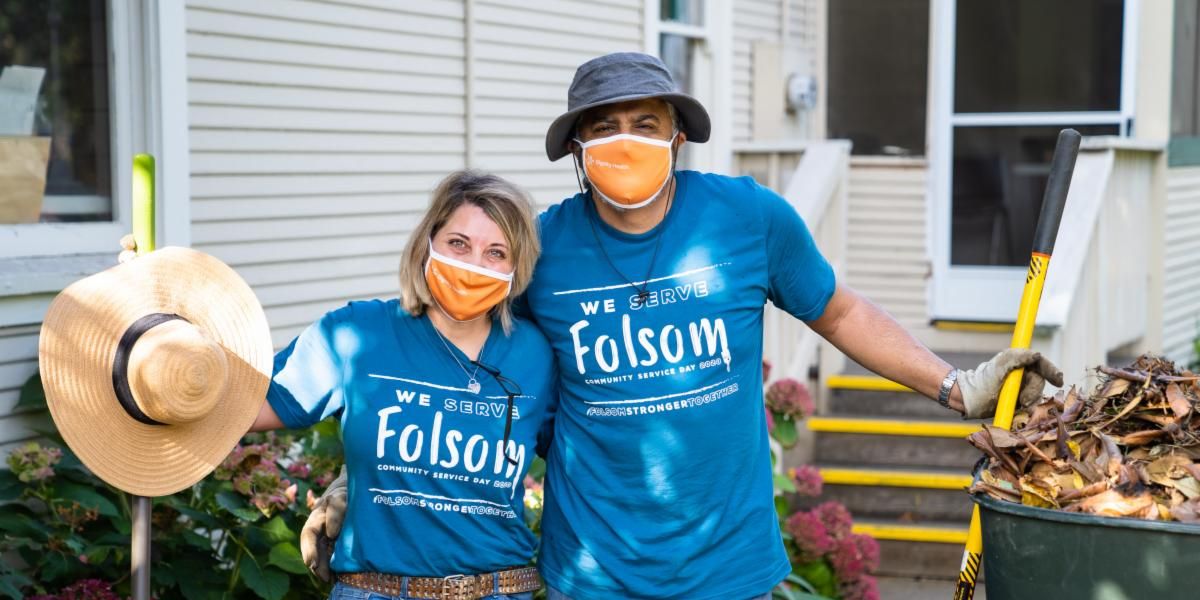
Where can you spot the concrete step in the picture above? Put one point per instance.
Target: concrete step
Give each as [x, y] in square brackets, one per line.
[904, 495]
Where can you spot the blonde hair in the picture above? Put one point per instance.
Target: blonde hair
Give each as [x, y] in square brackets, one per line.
[506, 204]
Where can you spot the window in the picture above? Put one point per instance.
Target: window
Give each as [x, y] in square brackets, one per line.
[681, 35]
[1184, 148]
[877, 89]
[60, 49]
[1023, 70]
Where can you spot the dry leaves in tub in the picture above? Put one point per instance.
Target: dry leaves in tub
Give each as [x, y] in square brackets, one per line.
[1130, 449]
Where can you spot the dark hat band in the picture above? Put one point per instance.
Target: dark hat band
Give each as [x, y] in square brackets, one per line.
[120, 372]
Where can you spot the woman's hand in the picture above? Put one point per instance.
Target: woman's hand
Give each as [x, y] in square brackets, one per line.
[323, 527]
[128, 248]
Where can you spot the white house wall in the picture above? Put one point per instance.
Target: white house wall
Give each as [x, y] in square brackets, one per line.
[1181, 291]
[794, 25]
[886, 252]
[525, 56]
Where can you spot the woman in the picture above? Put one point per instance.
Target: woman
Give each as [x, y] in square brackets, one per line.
[443, 396]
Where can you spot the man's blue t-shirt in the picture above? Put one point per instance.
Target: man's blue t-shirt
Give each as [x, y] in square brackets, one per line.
[659, 477]
[430, 491]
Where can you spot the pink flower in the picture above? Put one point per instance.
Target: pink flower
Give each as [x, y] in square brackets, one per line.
[766, 370]
[810, 535]
[770, 421]
[532, 484]
[790, 397]
[34, 463]
[835, 517]
[863, 588]
[310, 499]
[807, 480]
[854, 557]
[299, 469]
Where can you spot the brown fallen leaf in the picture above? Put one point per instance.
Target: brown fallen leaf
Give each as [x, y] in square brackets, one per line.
[1179, 403]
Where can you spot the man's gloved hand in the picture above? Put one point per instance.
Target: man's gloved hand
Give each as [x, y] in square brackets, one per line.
[981, 387]
[323, 527]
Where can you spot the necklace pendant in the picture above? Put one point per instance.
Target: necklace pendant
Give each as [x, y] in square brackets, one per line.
[473, 386]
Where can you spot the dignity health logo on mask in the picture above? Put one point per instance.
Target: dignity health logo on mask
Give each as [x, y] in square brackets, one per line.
[628, 171]
[464, 291]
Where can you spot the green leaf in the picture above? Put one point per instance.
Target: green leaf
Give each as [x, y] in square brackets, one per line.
[32, 396]
[10, 590]
[819, 575]
[196, 540]
[97, 554]
[784, 483]
[237, 506]
[803, 583]
[268, 583]
[287, 557]
[20, 524]
[781, 507]
[198, 516]
[537, 469]
[277, 531]
[54, 566]
[785, 431]
[86, 497]
[10, 486]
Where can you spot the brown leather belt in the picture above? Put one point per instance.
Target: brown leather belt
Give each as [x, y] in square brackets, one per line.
[454, 587]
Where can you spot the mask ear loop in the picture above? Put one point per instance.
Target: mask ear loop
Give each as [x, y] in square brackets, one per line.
[575, 163]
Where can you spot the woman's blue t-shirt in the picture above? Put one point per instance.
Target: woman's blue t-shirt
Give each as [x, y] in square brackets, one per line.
[430, 492]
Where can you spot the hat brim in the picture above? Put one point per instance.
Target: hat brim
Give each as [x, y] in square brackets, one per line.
[696, 124]
[76, 351]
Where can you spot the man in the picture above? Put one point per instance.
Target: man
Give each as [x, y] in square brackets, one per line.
[651, 289]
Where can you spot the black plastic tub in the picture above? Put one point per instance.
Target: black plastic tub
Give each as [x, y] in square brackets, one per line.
[1038, 553]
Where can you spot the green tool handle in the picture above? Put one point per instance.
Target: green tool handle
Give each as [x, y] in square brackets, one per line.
[143, 203]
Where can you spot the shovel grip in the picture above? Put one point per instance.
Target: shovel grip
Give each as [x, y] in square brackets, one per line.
[1062, 165]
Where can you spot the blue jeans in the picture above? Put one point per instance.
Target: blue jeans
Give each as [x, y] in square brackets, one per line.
[553, 594]
[342, 591]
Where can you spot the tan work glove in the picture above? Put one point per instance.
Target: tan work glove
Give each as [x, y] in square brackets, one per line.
[980, 387]
[323, 527]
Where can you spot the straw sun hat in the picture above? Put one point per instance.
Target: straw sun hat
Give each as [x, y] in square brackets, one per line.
[155, 368]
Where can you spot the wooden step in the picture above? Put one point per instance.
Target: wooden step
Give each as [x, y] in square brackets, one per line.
[928, 479]
[893, 427]
[897, 494]
[941, 533]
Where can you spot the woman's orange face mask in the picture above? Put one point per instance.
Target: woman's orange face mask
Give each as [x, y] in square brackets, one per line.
[628, 171]
[462, 290]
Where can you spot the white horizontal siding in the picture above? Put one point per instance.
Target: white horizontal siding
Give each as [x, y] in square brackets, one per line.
[317, 132]
[791, 23]
[18, 361]
[886, 254]
[1181, 288]
[526, 55]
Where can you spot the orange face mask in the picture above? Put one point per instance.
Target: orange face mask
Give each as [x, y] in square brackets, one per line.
[628, 171]
[464, 291]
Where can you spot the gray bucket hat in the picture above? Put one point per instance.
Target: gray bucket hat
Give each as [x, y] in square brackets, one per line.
[620, 77]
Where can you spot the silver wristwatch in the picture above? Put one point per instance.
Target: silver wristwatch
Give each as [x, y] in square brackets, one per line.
[947, 385]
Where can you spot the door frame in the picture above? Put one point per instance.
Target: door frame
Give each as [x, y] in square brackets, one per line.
[985, 293]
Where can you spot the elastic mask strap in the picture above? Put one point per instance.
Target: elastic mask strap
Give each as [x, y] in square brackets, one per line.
[433, 254]
[508, 431]
[120, 371]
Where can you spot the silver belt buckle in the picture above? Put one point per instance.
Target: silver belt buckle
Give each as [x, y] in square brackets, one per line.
[453, 587]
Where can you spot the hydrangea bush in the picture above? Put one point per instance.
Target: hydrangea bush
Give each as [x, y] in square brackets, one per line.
[64, 534]
[828, 559]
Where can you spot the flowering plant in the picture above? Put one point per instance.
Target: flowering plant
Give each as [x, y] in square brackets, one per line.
[828, 559]
[65, 534]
